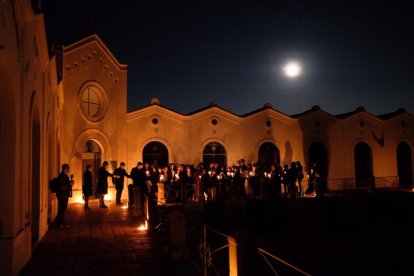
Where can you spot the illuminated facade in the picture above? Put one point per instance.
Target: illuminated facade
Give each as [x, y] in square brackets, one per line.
[71, 107]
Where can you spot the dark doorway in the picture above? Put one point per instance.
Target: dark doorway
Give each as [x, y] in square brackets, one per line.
[318, 154]
[35, 216]
[404, 164]
[92, 156]
[268, 155]
[363, 165]
[214, 152]
[155, 153]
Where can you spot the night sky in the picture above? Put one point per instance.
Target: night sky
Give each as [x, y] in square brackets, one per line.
[189, 53]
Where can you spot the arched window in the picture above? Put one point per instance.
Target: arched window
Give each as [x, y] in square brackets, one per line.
[363, 165]
[268, 155]
[214, 152]
[155, 153]
[404, 164]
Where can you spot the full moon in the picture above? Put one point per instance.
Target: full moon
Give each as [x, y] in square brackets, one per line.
[292, 69]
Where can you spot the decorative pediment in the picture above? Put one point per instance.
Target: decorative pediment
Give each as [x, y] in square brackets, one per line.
[93, 50]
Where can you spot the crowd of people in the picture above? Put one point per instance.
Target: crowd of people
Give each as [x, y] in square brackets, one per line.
[194, 183]
[206, 183]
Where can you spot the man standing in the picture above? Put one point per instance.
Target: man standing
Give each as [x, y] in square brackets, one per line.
[102, 188]
[62, 194]
[119, 182]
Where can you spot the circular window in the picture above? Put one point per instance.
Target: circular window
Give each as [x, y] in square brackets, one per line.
[93, 103]
[214, 122]
[154, 120]
[268, 123]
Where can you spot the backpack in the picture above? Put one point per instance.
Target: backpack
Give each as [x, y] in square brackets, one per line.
[53, 184]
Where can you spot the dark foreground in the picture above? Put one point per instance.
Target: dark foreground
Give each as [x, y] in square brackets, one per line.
[353, 234]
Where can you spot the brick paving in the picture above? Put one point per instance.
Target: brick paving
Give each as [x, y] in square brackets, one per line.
[102, 241]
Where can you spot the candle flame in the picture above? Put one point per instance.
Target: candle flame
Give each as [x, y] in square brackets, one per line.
[143, 227]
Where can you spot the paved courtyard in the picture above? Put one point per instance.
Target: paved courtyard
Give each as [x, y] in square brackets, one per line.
[101, 242]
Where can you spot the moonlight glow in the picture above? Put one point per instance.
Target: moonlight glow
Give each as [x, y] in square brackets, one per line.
[292, 69]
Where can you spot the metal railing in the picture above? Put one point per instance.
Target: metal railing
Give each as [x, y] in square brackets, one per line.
[266, 254]
[351, 183]
[209, 249]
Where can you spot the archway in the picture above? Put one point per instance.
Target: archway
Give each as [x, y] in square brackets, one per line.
[318, 154]
[35, 160]
[363, 165]
[214, 152]
[268, 155]
[92, 156]
[404, 164]
[155, 153]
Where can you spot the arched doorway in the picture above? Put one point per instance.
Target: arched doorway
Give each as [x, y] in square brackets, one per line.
[363, 165]
[318, 154]
[268, 155]
[92, 156]
[404, 164]
[214, 152]
[155, 153]
[35, 153]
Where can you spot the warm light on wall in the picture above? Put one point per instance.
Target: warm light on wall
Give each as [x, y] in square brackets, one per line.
[107, 197]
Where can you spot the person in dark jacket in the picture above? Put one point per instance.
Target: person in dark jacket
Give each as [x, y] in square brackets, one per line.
[102, 188]
[87, 186]
[139, 179]
[62, 195]
[119, 182]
